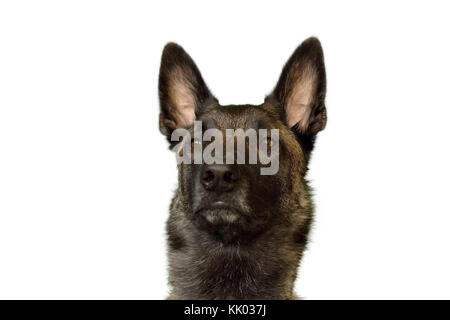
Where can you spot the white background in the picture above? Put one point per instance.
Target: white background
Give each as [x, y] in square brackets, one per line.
[86, 178]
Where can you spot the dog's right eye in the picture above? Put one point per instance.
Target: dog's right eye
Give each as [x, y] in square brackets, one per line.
[194, 142]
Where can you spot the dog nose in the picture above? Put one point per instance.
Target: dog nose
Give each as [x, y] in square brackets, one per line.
[219, 177]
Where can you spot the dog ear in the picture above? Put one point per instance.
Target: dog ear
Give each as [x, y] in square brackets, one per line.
[300, 91]
[182, 92]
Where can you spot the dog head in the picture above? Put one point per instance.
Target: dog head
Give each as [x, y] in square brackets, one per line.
[235, 201]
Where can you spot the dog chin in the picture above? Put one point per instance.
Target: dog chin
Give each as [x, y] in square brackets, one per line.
[225, 225]
[221, 216]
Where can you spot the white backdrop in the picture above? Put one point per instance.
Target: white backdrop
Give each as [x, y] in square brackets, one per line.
[86, 178]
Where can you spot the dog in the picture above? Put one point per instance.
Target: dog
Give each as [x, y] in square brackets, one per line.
[234, 233]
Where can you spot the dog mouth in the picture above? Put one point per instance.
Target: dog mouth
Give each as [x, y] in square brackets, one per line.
[220, 212]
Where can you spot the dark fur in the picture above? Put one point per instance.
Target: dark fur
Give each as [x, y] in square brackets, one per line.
[257, 256]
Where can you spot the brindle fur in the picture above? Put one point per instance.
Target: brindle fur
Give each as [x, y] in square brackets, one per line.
[256, 257]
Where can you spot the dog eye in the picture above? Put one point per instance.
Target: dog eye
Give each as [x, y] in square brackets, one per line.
[194, 142]
[268, 142]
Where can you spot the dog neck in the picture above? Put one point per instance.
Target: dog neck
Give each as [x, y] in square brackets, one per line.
[204, 268]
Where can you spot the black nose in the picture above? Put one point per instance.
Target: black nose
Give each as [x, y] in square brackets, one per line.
[219, 177]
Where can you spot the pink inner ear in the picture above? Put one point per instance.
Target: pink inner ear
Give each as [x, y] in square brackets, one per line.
[184, 103]
[187, 116]
[185, 109]
[299, 103]
[298, 113]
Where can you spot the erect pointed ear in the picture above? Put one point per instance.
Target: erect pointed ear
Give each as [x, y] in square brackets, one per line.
[182, 92]
[300, 91]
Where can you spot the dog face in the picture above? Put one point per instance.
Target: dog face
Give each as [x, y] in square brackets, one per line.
[233, 201]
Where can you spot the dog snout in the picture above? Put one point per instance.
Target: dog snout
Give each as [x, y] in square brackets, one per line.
[219, 178]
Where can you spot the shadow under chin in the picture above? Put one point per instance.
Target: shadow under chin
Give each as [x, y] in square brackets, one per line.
[226, 225]
[221, 216]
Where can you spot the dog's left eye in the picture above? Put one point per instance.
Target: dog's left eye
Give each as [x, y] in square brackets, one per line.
[268, 142]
